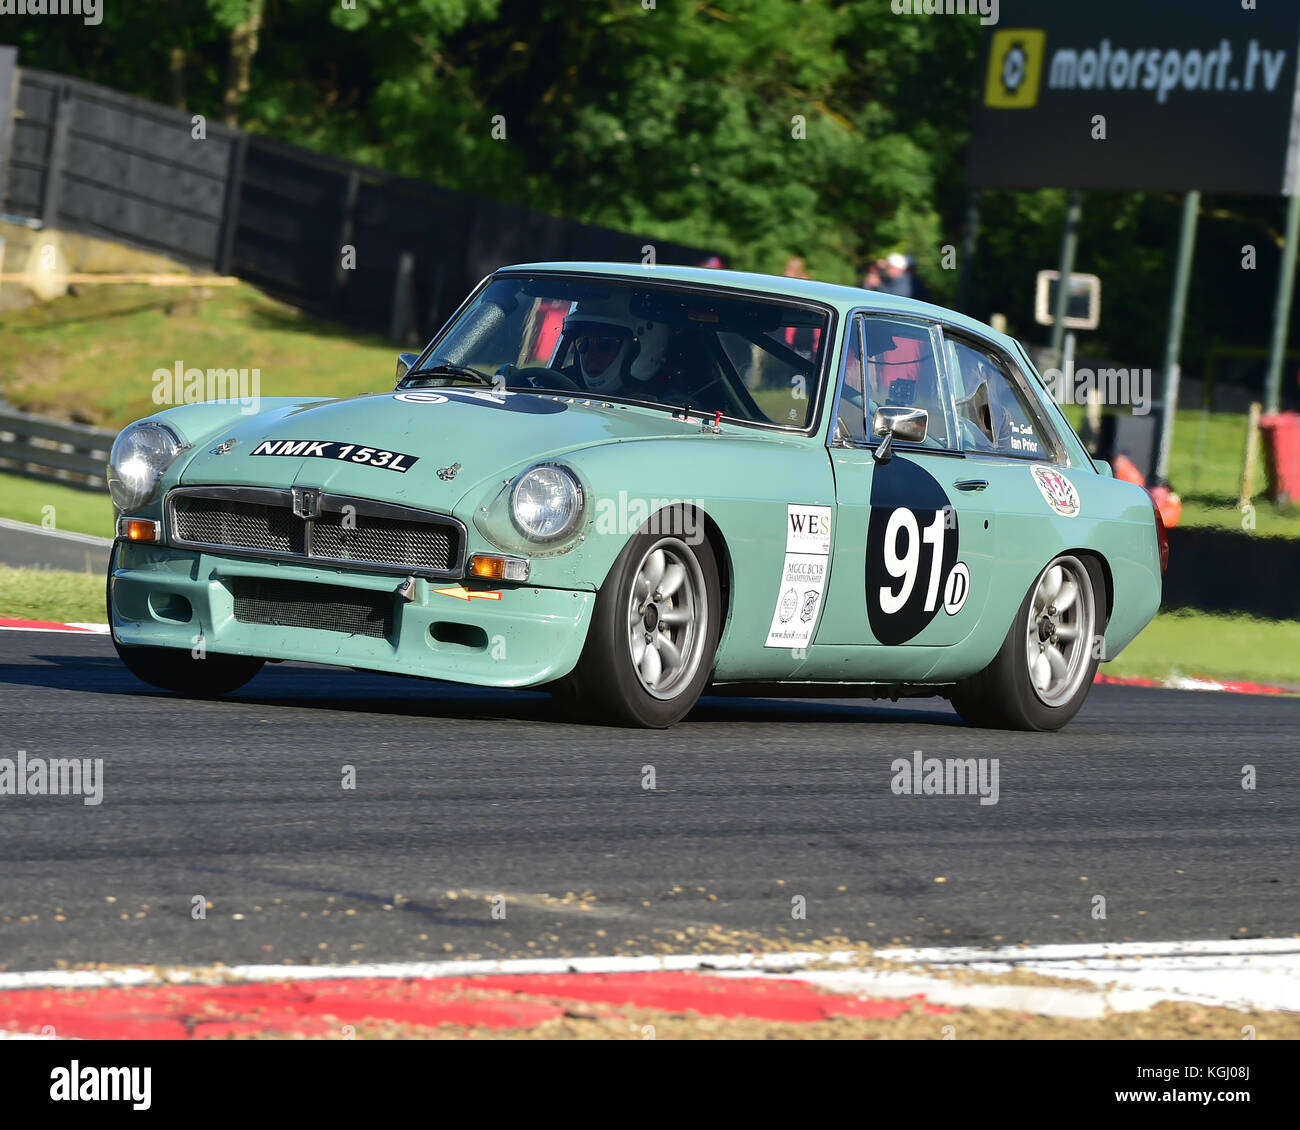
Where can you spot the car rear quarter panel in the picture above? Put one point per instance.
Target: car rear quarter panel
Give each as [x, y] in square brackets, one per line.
[1115, 523]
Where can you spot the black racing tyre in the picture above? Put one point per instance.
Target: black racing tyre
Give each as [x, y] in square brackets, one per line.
[176, 669]
[1045, 667]
[649, 651]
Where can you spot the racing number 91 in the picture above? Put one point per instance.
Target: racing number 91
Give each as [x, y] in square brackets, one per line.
[912, 570]
[904, 566]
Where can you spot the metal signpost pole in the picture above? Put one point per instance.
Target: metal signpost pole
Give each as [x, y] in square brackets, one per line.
[969, 244]
[1282, 311]
[1069, 244]
[1174, 335]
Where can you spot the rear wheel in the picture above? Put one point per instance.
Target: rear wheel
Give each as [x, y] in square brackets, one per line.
[1042, 673]
[176, 669]
[653, 636]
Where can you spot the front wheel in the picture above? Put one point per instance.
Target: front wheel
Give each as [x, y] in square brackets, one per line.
[1045, 667]
[176, 669]
[653, 636]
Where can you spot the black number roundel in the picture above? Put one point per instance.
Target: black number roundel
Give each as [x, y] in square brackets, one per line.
[911, 550]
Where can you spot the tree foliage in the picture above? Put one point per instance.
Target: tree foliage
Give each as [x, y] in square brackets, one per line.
[834, 130]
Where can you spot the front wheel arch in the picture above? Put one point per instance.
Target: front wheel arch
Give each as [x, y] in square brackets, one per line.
[721, 553]
[606, 685]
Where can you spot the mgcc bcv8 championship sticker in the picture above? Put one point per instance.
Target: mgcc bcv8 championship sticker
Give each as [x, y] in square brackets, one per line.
[803, 576]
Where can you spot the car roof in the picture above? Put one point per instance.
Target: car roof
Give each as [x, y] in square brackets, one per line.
[843, 298]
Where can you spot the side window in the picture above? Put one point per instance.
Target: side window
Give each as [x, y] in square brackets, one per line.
[902, 370]
[992, 412]
[852, 422]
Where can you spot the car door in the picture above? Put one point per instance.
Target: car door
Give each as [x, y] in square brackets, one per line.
[916, 535]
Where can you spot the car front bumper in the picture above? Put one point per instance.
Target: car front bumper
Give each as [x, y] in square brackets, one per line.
[523, 636]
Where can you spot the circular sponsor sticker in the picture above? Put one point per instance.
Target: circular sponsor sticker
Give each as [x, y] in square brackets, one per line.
[789, 602]
[1058, 490]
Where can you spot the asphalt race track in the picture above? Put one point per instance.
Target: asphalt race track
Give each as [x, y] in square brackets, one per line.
[464, 795]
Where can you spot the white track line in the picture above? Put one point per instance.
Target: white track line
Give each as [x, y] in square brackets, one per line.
[76, 629]
[64, 535]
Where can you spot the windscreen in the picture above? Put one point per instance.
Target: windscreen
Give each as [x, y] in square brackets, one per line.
[755, 360]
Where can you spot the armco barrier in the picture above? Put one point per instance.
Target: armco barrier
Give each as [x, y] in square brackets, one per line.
[73, 454]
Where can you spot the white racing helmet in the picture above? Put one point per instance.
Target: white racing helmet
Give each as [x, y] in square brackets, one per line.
[643, 342]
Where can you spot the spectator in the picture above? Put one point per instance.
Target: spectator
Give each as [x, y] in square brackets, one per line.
[803, 341]
[919, 290]
[896, 280]
[871, 278]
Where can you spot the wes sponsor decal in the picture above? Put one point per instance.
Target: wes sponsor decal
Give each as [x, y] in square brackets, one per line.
[803, 576]
[343, 452]
[808, 529]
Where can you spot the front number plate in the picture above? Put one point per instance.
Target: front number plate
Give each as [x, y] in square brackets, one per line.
[344, 452]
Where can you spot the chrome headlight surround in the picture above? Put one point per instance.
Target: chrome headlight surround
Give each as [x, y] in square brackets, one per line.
[507, 512]
[546, 503]
[140, 457]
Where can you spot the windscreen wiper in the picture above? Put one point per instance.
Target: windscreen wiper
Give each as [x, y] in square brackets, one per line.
[448, 369]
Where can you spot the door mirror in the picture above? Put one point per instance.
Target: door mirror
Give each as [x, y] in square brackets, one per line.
[405, 362]
[909, 425]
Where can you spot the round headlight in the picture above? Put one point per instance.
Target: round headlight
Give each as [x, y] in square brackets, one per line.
[140, 455]
[546, 503]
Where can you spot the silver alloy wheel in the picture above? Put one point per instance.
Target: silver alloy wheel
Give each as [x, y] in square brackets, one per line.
[1059, 631]
[667, 618]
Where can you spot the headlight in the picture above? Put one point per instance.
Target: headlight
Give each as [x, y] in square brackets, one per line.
[140, 455]
[546, 503]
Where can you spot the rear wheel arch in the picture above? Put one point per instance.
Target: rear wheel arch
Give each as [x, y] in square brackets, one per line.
[1095, 560]
[1007, 694]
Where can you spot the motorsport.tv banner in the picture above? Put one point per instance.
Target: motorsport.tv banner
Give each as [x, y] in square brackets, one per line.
[1140, 94]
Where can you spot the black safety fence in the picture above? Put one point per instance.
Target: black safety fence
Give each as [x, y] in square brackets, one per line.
[383, 252]
[1237, 573]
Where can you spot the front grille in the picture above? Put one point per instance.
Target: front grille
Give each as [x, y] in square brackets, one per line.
[240, 525]
[352, 531]
[331, 608]
[418, 547]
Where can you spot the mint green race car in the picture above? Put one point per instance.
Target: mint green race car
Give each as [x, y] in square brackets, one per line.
[629, 484]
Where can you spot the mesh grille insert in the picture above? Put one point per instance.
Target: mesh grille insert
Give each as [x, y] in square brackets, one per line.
[333, 608]
[413, 544]
[244, 525]
[266, 523]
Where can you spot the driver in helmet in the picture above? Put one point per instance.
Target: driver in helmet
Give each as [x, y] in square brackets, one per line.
[615, 352]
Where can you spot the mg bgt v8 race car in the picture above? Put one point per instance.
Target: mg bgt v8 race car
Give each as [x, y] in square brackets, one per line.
[628, 484]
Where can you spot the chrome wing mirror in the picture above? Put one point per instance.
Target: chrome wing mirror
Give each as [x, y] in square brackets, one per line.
[908, 425]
